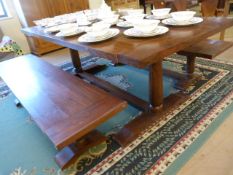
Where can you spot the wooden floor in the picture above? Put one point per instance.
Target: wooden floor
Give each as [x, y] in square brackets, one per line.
[215, 157]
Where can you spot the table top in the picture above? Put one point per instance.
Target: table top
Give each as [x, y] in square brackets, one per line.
[141, 52]
[63, 106]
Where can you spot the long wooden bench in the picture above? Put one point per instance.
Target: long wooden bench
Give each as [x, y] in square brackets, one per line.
[207, 49]
[66, 108]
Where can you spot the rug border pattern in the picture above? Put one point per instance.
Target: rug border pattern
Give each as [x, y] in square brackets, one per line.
[190, 137]
[121, 152]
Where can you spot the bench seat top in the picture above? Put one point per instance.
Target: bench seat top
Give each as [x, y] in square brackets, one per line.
[64, 106]
[207, 48]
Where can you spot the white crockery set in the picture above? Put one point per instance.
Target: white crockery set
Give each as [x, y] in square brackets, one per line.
[134, 19]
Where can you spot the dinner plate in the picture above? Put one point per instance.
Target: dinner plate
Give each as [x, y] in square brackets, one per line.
[84, 23]
[172, 22]
[57, 28]
[135, 33]
[124, 24]
[158, 17]
[78, 31]
[53, 29]
[87, 39]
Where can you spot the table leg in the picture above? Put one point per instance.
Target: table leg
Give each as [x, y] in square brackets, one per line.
[156, 86]
[76, 60]
[190, 64]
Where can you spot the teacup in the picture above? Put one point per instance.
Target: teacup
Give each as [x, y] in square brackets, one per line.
[98, 29]
[161, 12]
[145, 25]
[113, 19]
[134, 18]
[135, 11]
[183, 16]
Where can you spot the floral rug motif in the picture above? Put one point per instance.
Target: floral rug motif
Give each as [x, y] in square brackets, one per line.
[163, 142]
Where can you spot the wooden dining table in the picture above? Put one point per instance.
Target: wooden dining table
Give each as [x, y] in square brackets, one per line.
[142, 53]
[138, 52]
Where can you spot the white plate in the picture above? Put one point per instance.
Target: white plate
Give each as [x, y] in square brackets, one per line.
[158, 17]
[158, 31]
[172, 22]
[78, 31]
[84, 23]
[57, 28]
[124, 24]
[52, 29]
[87, 39]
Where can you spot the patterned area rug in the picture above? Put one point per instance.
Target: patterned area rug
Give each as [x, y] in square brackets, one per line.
[160, 147]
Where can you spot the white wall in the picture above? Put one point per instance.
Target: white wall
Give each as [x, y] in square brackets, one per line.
[11, 27]
[94, 4]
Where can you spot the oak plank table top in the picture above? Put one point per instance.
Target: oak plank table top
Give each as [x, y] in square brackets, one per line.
[62, 105]
[142, 52]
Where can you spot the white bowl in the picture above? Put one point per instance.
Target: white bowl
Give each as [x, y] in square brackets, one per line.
[111, 19]
[135, 11]
[98, 29]
[161, 12]
[146, 25]
[183, 16]
[134, 18]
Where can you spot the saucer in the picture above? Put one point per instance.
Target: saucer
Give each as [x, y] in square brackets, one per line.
[172, 22]
[110, 34]
[132, 32]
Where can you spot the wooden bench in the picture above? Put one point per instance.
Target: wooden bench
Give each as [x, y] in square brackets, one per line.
[66, 108]
[205, 49]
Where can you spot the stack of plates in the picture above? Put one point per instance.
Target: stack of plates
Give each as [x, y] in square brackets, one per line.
[90, 39]
[172, 22]
[132, 32]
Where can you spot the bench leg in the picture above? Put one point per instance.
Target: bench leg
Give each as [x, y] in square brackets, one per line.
[68, 155]
[17, 103]
[76, 60]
